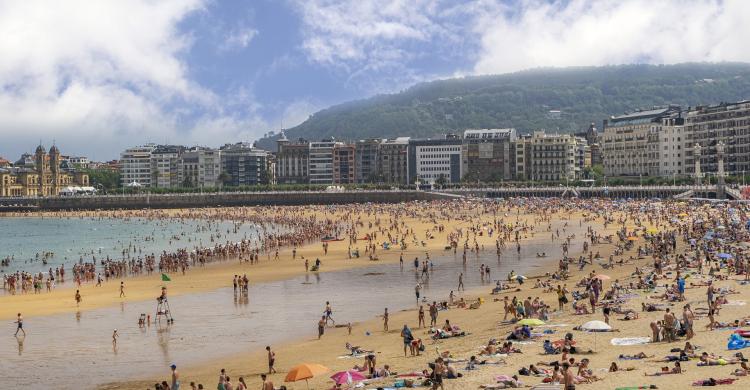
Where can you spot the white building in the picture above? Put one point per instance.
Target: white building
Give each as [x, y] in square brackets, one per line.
[135, 165]
[82, 162]
[548, 157]
[165, 166]
[199, 167]
[672, 147]
[321, 162]
[433, 159]
[209, 167]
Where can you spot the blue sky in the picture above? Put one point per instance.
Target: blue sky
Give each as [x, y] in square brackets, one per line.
[97, 77]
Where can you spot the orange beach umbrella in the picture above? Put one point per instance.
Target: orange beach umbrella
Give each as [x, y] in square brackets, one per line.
[304, 372]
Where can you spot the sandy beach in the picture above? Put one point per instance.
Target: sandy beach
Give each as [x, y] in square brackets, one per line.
[483, 323]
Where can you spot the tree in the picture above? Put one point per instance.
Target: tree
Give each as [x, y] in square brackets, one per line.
[224, 179]
[106, 178]
[441, 181]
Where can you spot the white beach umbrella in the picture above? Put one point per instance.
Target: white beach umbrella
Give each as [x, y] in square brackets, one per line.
[596, 326]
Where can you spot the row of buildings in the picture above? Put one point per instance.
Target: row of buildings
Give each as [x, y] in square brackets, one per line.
[173, 166]
[661, 142]
[41, 174]
[476, 155]
[669, 141]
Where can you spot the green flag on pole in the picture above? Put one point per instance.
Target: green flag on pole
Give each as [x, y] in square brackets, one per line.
[165, 278]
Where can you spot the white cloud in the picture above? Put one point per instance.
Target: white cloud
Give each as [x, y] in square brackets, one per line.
[496, 36]
[373, 41]
[605, 32]
[98, 76]
[238, 39]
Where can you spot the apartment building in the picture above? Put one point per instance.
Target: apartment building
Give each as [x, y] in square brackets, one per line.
[707, 125]
[488, 154]
[135, 165]
[366, 160]
[432, 160]
[321, 161]
[631, 142]
[549, 157]
[393, 161]
[344, 164]
[292, 161]
[242, 164]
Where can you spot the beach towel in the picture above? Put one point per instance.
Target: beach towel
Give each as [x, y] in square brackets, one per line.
[735, 303]
[736, 342]
[630, 340]
[636, 387]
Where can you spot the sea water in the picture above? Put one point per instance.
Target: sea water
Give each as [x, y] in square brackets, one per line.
[71, 240]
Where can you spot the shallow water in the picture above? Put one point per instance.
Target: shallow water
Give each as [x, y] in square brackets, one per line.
[76, 349]
[72, 239]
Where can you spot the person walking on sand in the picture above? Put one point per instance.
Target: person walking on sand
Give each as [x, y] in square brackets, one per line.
[122, 289]
[408, 338]
[78, 297]
[433, 313]
[19, 321]
[321, 326]
[329, 313]
[271, 360]
[420, 316]
[385, 320]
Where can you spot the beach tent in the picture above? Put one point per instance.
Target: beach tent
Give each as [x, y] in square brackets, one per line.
[596, 326]
[304, 372]
[134, 184]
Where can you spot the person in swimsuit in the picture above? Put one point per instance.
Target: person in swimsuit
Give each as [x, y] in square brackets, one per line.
[175, 378]
[267, 384]
[19, 321]
[321, 326]
[271, 360]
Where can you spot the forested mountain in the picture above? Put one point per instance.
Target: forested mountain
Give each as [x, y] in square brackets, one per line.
[559, 99]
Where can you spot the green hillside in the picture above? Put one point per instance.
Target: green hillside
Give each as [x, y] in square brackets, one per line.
[526, 100]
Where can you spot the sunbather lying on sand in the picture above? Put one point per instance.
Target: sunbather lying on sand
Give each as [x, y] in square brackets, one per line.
[356, 350]
[637, 356]
[711, 360]
[677, 369]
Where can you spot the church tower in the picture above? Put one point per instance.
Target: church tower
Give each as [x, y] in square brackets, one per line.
[54, 166]
[42, 167]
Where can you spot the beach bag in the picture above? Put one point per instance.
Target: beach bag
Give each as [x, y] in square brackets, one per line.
[524, 371]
